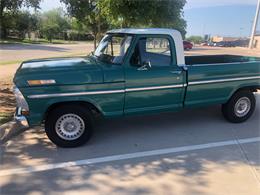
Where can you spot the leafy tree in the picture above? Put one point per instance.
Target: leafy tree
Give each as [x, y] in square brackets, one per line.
[77, 30]
[195, 39]
[9, 7]
[23, 23]
[53, 23]
[145, 13]
[88, 12]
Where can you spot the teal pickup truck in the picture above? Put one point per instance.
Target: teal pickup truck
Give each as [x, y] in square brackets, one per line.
[132, 71]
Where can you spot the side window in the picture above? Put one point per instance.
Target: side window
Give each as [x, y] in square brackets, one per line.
[156, 51]
[158, 46]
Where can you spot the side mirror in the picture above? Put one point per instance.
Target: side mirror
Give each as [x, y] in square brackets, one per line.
[146, 65]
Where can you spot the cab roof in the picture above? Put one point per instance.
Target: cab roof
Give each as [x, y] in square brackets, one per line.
[145, 31]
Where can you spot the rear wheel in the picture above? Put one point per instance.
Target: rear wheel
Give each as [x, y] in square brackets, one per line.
[69, 125]
[239, 107]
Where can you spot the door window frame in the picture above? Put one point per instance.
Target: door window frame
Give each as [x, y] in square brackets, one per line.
[139, 36]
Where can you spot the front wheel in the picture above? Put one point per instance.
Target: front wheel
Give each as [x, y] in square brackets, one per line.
[69, 125]
[239, 107]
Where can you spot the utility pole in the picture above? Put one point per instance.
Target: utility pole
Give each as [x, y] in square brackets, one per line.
[254, 25]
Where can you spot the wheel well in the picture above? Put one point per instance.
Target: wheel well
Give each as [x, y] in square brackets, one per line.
[249, 88]
[95, 111]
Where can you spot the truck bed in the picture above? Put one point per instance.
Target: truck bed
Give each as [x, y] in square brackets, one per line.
[218, 59]
[213, 79]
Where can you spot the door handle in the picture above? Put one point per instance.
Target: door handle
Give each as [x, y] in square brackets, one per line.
[176, 72]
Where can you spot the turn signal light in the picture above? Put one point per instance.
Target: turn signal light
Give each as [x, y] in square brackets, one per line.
[41, 82]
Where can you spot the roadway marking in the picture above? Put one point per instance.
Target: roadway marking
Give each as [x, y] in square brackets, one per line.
[92, 161]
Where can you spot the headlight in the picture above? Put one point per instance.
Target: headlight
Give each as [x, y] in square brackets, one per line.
[20, 101]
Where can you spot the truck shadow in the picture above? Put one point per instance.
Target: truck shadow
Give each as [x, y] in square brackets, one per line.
[133, 134]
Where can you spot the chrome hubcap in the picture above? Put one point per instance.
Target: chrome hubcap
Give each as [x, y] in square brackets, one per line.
[70, 126]
[242, 107]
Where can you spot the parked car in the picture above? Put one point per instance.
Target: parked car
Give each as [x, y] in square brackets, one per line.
[187, 45]
[241, 43]
[225, 44]
[132, 71]
[204, 44]
[211, 44]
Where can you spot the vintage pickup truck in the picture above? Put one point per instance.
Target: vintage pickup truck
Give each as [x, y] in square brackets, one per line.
[132, 71]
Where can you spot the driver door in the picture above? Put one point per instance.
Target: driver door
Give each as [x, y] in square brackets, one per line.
[153, 81]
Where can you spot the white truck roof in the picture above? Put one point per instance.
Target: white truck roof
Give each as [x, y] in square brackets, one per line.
[176, 35]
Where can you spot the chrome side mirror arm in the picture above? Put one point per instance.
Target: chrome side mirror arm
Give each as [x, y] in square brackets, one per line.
[184, 67]
[146, 65]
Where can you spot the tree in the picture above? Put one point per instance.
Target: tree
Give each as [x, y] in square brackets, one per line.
[53, 23]
[195, 39]
[9, 7]
[23, 23]
[88, 12]
[145, 13]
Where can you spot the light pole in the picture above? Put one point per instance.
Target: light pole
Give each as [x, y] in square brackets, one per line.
[254, 25]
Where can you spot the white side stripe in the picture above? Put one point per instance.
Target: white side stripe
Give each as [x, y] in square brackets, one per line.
[75, 94]
[106, 92]
[92, 161]
[223, 80]
[153, 88]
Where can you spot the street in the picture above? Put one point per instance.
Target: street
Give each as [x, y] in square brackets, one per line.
[194, 151]
[32, 51]
[12, 55]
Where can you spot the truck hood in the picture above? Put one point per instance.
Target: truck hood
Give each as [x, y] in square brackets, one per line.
[65, 71]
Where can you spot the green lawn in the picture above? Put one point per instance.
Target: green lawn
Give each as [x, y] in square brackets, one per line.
[38, 41]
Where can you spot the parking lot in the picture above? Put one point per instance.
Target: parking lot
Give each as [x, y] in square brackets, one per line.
[191, 152]
[194, 151]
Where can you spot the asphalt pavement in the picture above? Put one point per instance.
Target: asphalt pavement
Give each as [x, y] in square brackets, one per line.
[194, 151]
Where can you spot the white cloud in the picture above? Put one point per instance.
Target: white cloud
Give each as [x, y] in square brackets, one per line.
[210, 3]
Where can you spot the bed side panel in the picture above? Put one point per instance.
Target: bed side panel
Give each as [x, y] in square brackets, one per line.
[214, 84]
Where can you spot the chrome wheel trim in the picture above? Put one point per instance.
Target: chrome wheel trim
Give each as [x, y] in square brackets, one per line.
[70, 126]
[242, 106]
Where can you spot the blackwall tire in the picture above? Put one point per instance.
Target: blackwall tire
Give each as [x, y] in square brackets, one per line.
[239, 107]
[69, 126]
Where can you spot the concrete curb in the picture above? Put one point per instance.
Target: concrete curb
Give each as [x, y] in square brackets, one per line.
[10, 130]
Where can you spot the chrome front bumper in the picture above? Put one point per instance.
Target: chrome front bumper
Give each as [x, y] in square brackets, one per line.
[21, 106]
[18, 117]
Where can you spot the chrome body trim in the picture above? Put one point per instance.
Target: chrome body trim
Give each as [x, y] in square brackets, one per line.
[105, 92]
[140, 88]
[75, 94]
[223, 80]
[154, 88]
[219, 64]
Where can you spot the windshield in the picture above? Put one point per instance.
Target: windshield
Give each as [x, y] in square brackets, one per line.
[112, 48]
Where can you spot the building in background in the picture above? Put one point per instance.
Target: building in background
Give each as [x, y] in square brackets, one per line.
[217, 39]
[229, 41]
